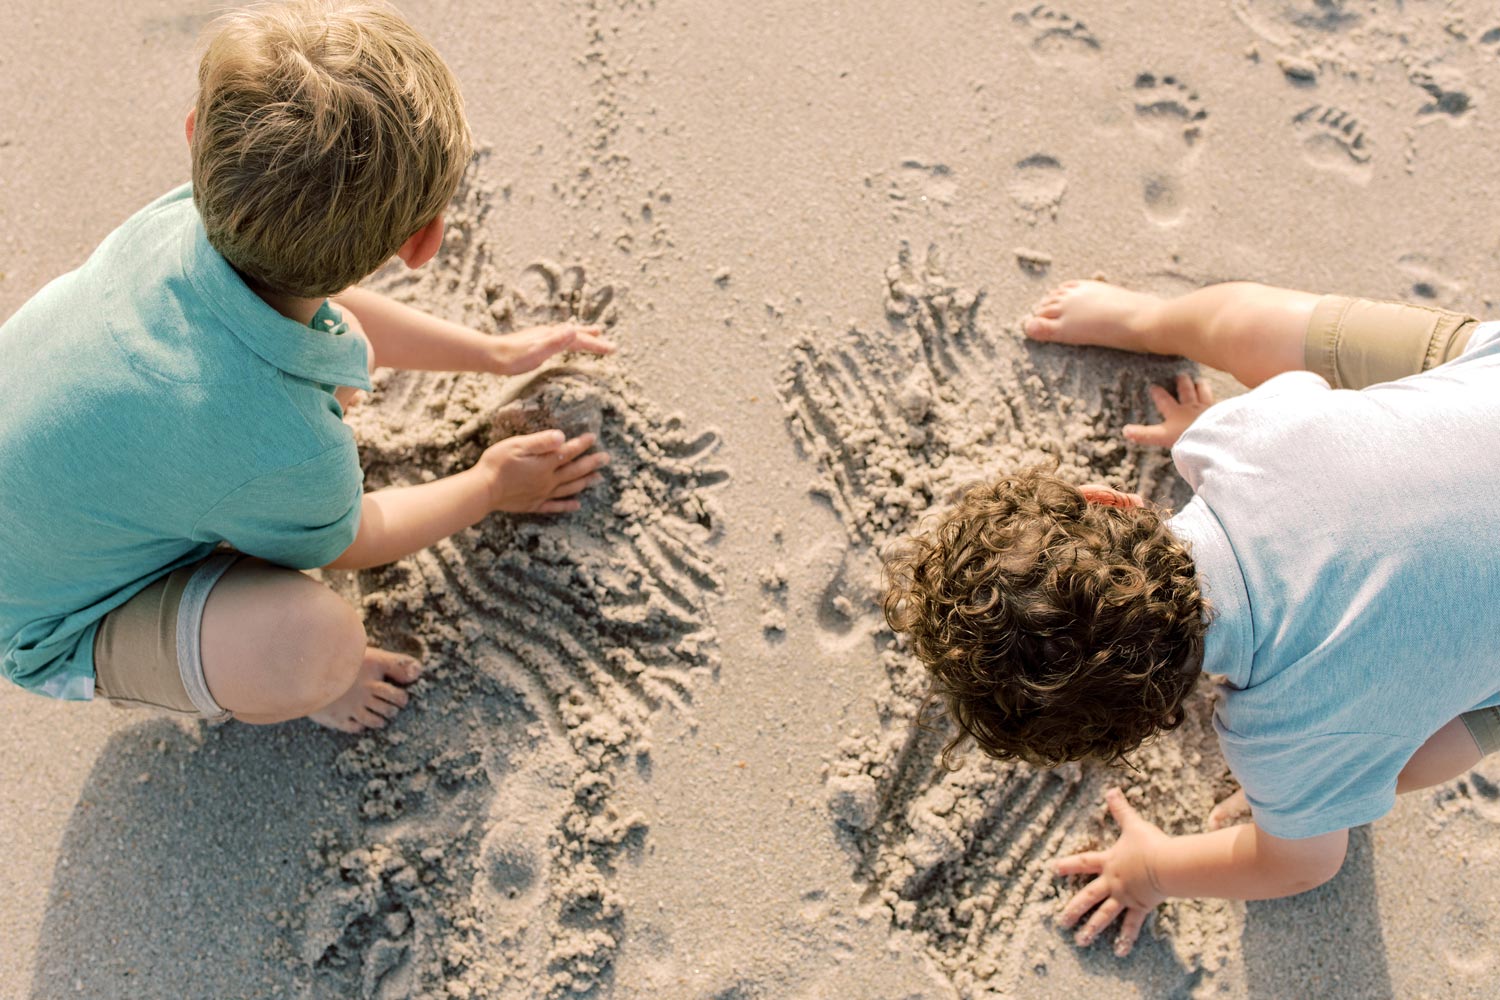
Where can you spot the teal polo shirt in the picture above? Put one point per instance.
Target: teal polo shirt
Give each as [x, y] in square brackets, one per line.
[153, 407]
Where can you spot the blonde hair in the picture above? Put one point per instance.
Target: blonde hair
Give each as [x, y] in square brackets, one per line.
[326, 136]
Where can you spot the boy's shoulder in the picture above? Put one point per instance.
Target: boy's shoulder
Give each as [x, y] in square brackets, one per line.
[189, 311]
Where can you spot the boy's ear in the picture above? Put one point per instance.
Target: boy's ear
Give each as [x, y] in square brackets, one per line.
[423, 244]
[192, 119]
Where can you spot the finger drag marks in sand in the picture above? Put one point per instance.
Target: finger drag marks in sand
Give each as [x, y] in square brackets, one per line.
[485, 867]
[897, 422]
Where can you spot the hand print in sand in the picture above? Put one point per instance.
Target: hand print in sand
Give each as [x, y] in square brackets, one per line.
[484, 864]
[897, 421]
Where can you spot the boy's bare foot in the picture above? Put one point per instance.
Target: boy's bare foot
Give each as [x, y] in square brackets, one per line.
[1232, 810]
[376, 695]
[1092, 312]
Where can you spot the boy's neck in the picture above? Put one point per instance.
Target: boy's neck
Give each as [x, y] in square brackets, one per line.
[297, 309]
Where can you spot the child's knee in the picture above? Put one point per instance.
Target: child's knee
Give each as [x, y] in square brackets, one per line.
[326, 641]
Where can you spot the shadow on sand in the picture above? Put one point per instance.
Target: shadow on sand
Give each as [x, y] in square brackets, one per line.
[1324, 943]
[185, 843]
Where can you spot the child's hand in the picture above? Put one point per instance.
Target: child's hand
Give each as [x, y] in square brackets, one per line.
[540, 473]
[520, 352]
[1126, 882]
[1193, 397]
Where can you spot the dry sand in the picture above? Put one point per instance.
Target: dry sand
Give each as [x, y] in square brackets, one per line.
[664, 748]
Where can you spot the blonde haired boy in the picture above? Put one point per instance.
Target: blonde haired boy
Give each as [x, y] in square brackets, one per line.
[172, 411]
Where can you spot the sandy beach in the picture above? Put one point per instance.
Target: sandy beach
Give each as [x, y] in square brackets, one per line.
[664, 747]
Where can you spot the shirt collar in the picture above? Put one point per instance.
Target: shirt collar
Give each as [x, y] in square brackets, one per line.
[324, 352]
[1227, 648]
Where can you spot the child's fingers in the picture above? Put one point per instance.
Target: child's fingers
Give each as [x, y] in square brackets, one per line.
[1187, 391]
[1155, 435]
[582, 467]
[1083, 863]
[589, 340]
[576, 486]
[1102, 918]
[1205, 393]
[1121, 809]
[1130, 930]
[1163, 400]
[575, 447]
[559, 507]
[1087, 898]
[540, 443]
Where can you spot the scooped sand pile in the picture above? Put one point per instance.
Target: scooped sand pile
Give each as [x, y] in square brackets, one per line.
[484, 865]
[898, 421]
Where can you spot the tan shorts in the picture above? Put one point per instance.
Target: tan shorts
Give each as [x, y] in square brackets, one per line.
[1355, 343]
[147, 652]
[1484, 725]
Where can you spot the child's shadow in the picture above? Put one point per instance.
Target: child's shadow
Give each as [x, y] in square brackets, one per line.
[183, 849]
[1324, 943]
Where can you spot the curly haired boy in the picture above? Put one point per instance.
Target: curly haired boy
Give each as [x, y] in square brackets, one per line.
[171, 413]
[1333, 573]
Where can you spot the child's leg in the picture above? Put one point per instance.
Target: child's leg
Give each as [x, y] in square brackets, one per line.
[1448, 753]
[1251, 331]
[278, 645]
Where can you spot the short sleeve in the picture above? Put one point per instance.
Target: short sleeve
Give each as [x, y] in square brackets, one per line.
[1312, 786]
[1226, 433]
[300, 516]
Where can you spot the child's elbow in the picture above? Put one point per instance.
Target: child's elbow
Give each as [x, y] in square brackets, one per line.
[1319, 860]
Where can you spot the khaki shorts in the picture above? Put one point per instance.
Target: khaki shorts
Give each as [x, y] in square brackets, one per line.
[1484, 725]
[1354, 343]
[147, 652]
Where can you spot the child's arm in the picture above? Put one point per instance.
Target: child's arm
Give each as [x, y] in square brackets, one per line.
[1145, 866]
[403, 337]
[532, 473]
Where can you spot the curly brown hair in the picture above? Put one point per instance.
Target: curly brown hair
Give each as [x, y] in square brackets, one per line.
[1053, 629]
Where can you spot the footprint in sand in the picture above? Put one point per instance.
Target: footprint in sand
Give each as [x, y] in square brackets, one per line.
[1171, 116]
[491, 827]
[1334, 139]
[1428, 282]
[1167, 104]
[897, 420]
[1447, 93]
[1037, 185]
[1054, 36]
[917, 187]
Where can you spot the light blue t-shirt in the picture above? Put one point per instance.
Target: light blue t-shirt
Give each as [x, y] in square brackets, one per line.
[152, 407]
[1349, 542]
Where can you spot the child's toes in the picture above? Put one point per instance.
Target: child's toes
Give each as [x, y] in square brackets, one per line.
[390, 694]
[405, 671]
[1041, 327]
[370, 718]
